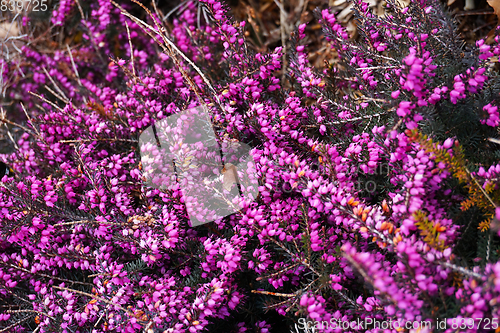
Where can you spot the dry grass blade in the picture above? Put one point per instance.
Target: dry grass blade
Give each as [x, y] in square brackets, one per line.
[169, 47]
[45, 100]
[494, 140]
[65, 98]
[131, 48]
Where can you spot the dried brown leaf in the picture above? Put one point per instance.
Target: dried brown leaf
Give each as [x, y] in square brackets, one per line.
[230, 176]
[495, 4]
[8, 29]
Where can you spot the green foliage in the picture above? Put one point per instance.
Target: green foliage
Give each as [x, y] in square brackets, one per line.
[483, 198]
[429, 230]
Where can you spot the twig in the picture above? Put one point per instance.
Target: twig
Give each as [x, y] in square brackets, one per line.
[95, 297]
[304, 8]
[400, 121]
[488, 247]
[273, 294]
[378, 67]
[46, 100]
[32, 311]
[303, 262]
[131, 49]
[275, 305]
[76, 70]
[2, 114]
[5, 120]
[480, 187]
[278, 272]
[345, 297]
[16, 324]
[2, 89]
[66, 100]
[494, 140]
[50, 276]
[161, 32]
[345, 121]
[283, 41]
[29, 119]
[91, 140]
[464, 232]
[175, 8]
[102, 315]
[482, 27]
[481, 12]
[365, 276]
[54, 93]
[171, 44]
[90, 34]
[369, 122]
[462, 270]
[85, 221]
[198, 18]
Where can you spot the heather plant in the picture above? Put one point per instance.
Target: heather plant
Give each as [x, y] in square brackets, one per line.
[378, 175]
